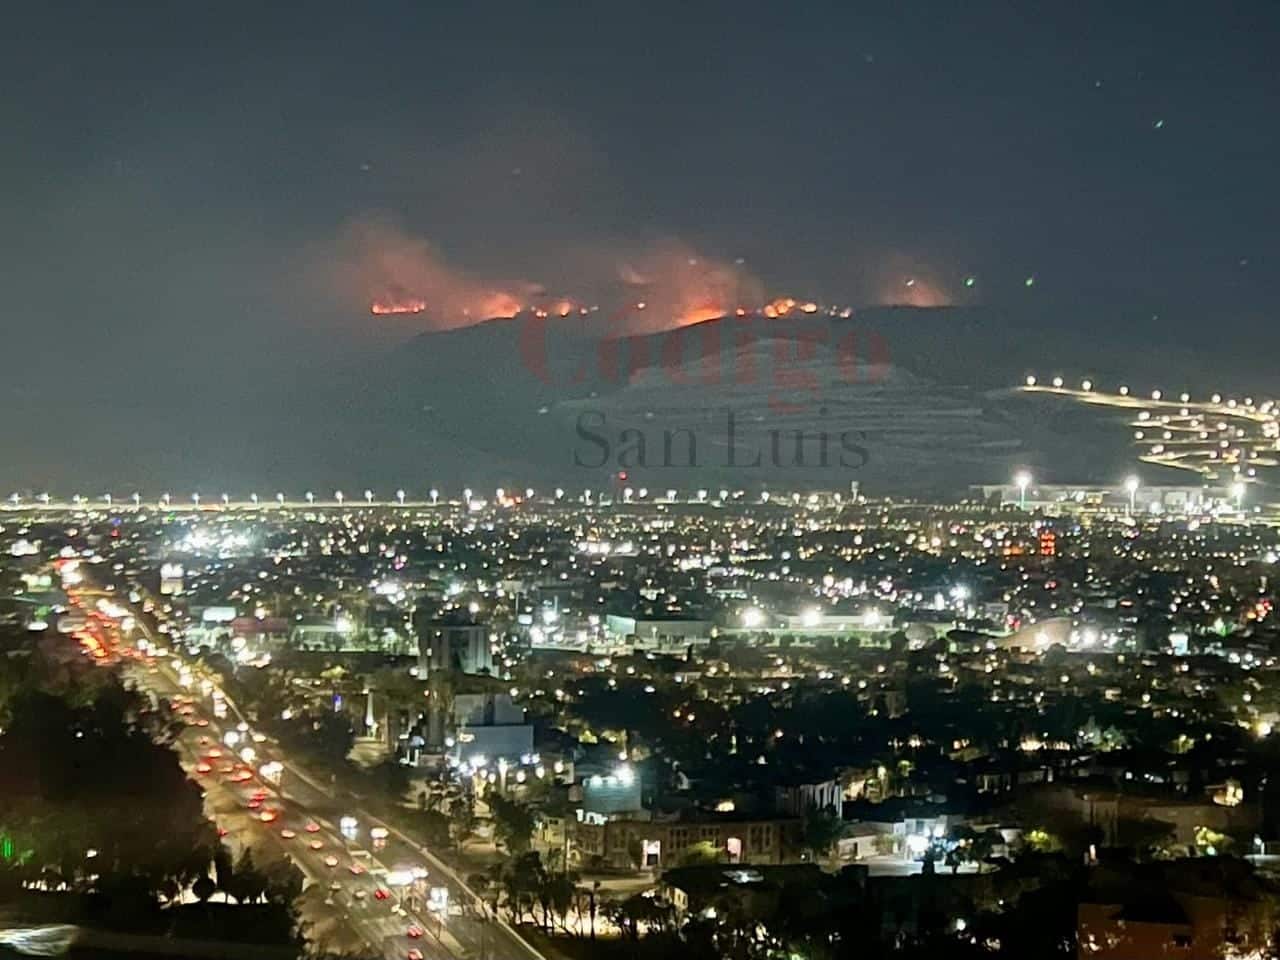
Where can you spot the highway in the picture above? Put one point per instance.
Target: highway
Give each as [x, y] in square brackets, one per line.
[368, 887]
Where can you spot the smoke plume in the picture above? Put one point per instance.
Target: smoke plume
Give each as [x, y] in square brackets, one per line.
[390, 272]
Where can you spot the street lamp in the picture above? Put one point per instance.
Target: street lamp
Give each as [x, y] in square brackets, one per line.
[195, 498]
[368, 496]
[166, 499]
[435, 495]
[280, 499]
[1023, 480]
[400, 497]
[225, 499]
[137, 499]
[1237, 491]
[253, 498]
[311, 497]
[339, 496]
[43, 498]
[1131, 484]
[107, 499]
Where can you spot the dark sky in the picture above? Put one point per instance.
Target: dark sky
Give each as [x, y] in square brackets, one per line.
[178, 178]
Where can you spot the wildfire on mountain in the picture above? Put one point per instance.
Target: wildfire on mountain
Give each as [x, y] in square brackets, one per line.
[382, 308]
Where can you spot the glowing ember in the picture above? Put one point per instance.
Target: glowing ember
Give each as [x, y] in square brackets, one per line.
[382, 308]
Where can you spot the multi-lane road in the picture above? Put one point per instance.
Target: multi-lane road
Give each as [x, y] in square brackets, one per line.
[369, 888]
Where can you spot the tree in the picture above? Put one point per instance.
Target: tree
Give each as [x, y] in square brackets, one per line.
[639, 913]
[391, 778]
[591, 895]
[326, 735]
[284, 881]
[524, 879]
[247, 883]
[204, 888]
[513, 823]
[700, 854]
[82, 772]
[820, 831]
[435, 828]
[1145, 835]
[556, 895]
[462, 819]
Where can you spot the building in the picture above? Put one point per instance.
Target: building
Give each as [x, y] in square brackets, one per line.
[657, 844]
[798, 798]
[658, 633]
[452, 642]
[612, 794]
[489, 727]
[1194, 909]
[1067, 499]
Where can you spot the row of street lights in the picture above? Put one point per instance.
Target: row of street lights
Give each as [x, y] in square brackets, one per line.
[340, 497]
[166, 499]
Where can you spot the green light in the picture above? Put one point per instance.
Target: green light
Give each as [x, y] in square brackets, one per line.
[1030, 282]
[970, 281]
[6, 847]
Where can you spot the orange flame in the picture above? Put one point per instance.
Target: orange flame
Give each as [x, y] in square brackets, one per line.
[382, 308]
[700, 313]
[498, 304]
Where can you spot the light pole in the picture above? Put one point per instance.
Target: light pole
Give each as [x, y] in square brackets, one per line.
[368, 497]
[339, 496]
[253, 498]
[280, 499]
[435, 495]
[311, 497]
[400, 497]
[1237, 491]
[137, 499]
[1023, 480]
[1131, 484]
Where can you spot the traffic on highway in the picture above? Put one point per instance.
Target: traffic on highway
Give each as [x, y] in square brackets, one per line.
[367, 886]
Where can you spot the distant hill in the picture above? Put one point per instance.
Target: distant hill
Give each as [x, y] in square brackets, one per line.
[930, 399]
[926, 396]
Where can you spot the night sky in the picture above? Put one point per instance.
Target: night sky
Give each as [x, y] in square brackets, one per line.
[182, 182]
